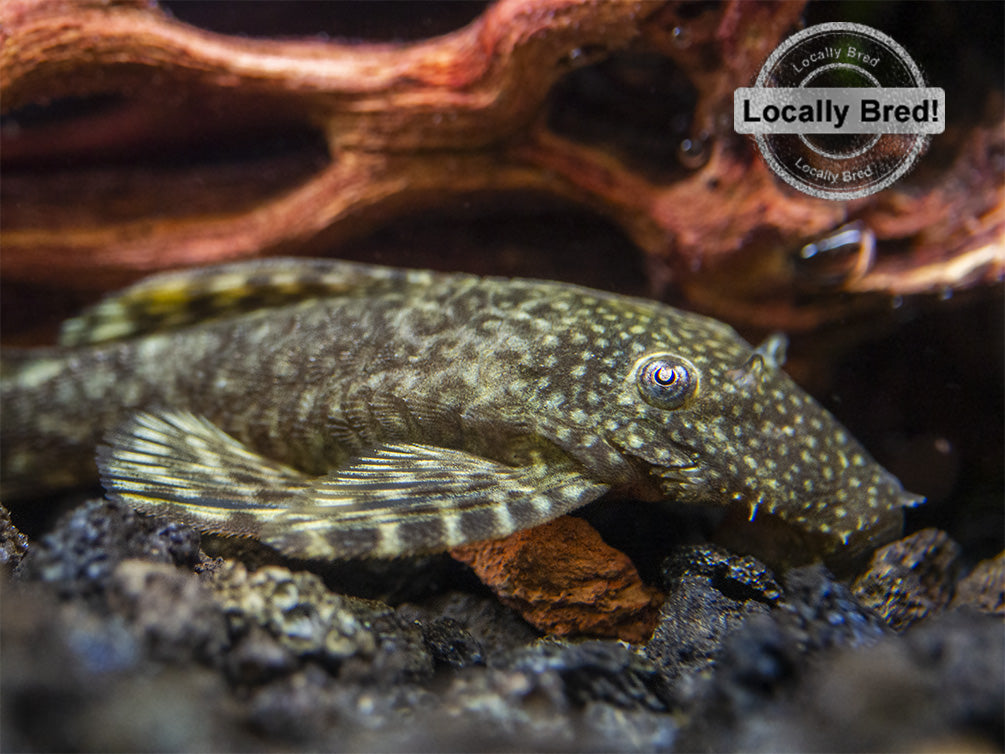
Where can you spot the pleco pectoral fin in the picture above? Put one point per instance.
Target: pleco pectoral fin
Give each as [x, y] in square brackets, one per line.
[409, 498]
[396, 500]
[180, 465]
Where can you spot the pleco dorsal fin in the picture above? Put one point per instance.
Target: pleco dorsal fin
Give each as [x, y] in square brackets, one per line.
[396, 499]
[177, 299]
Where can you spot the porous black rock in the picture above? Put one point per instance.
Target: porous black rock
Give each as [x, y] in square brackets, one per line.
[910, 579]
[711, 593]
[494, 626]
[13, 544]
[984, 587]
[77, 679]
[80, 554]
[553, 695]
[269, 657]
[935, 687]
[257, 658]
[296, 609]
[820, 612]
[450, 643]
[738, 577]
[767, 656]
[594, 671]
[171, 612]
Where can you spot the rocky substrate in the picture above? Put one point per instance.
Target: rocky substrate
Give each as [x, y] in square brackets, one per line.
[120, 633]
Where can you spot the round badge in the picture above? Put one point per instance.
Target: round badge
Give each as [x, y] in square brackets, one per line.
[840, 111]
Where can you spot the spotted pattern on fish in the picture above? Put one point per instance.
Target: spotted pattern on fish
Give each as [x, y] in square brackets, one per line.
[336, 410]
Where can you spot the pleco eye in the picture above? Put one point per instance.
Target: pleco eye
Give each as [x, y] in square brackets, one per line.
[666, 381]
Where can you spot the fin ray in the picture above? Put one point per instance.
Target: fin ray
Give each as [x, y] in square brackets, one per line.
[182, 465]
[407, 498]
[397, 499]
[178, 299]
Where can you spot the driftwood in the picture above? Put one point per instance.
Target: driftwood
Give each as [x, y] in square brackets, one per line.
[407, 126]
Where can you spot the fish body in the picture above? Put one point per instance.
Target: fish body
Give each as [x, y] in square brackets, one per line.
[337, 410]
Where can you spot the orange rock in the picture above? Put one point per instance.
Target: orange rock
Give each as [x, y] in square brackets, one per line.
[564, 579]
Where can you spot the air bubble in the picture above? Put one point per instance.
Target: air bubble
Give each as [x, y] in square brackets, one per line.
[693, 152]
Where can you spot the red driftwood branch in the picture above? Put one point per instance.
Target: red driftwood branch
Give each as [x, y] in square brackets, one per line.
[419, 124]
